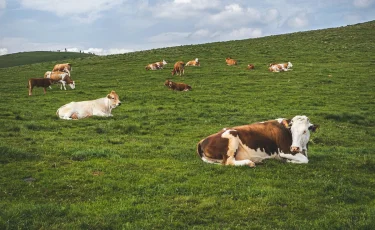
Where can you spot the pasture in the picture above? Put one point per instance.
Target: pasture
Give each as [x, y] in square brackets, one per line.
[139, 169]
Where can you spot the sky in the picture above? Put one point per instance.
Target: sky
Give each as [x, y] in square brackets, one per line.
[106, 27]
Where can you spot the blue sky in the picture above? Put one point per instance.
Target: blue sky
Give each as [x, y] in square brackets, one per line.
[118, 26]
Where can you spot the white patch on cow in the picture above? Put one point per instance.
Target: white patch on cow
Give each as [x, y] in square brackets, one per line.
[300, 132]
[255, 155]
[280, 120]
[298, 158]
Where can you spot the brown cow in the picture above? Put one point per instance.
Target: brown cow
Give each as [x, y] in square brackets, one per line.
[179, 68]
[230, 61]
[177, 86]
[66, 67]
[250, 67]
[61, 78]
[193, 63]
[38, 82]
[249, 144]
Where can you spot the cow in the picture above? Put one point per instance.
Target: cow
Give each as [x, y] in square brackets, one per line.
[61, 78]
[281, 139]
[193, 63]
[250, 67]
[274, 67]
[66, 67]
[178, 68]
[179, 86]
[38, 82]
[230, 61]
[152, 66]
[99, 107]
[161, 64]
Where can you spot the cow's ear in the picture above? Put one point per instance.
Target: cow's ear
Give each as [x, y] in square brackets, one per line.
[286, 123]
[313, 128]
[109, 96]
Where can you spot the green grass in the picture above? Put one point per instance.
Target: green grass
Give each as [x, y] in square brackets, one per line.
[25, 58]
[139, 169]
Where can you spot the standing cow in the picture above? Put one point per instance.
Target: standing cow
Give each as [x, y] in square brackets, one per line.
[250, 144]
[66, 67]
[39, 82]
[179, 68]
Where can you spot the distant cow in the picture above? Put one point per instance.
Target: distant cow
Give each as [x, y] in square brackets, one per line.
[156, 65]
[38, 82]
[249, 144]
[230, 61]
[179, 68]
[250, 67]
[177, 86]
[61, 78]
[193, 63]
[66, 67]
[99, 107]
[274, 67]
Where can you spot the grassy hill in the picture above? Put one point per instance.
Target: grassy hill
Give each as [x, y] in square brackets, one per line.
[139, 169]
[25, 58]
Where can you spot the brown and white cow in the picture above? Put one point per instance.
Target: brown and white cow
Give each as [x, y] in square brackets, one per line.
[156, 65]
[274, 67]
[250, 144]
[179, 86]
[178, 68]
[61, 78]
[230, 61]
[38, 82]
[66, 67]
[193, 63]
[99, 107]
[250, 67]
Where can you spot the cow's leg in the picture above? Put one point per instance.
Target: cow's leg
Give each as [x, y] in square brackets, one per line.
[44, 89]
[233, 146]
[30, 90]
[298, 158]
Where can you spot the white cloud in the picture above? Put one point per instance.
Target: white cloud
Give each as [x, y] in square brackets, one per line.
[242, 33]
[2, 4]
[299, 21]
[82, 10]
[101, 51]
[363, 3]
[168, 37]
[3, 51]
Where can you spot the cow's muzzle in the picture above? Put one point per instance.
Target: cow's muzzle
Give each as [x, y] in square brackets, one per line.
[294, 149]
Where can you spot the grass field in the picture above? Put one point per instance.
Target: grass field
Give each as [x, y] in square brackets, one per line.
[139, 169]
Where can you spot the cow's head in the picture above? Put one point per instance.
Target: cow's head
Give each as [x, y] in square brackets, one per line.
[300, 128]
[164, 62]
[72, 85]
[289, 65]
[114, 99]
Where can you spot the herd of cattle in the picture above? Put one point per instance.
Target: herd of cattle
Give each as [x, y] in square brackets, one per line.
[283, 139]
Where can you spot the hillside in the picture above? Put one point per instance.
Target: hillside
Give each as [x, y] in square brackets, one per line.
[25, 58]
[139, 169]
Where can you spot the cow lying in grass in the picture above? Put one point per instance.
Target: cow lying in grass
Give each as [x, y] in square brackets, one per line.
[250, 144]
[230, 61]
[274, 67]
[39, 82]
[156, 65]
[193, 63]
[177, 86]
[99, 107]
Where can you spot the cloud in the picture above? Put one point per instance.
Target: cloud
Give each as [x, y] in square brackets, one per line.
[3, 4]
[168, 37]
[82, 10]
[363, 3]
[299, 21]
[3, 51]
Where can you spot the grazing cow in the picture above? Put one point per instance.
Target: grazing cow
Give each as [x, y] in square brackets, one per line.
[179, 68]
[177, 86]
[250, 67]
[274, 67]
[249, 144]
[38, 82]
[193, 63]
[230, 61]
[99, 107]
[66, 67]
[61, 78]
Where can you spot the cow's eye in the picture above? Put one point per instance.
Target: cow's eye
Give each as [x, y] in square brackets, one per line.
[304, 132]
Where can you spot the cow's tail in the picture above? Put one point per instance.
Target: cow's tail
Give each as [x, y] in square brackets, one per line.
[204, 158]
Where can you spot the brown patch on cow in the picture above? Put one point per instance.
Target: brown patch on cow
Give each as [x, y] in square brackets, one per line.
[250, 66]
[179, 86]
